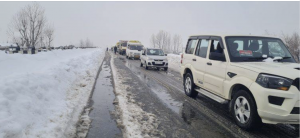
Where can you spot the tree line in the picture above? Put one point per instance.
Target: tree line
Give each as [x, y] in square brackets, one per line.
[85, 44]
[29, 27]
[167, 42]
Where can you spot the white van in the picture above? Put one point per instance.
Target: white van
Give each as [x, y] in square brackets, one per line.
[134, 49]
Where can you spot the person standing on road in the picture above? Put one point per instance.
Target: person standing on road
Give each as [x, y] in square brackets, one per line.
[107, 49]
[115, 50]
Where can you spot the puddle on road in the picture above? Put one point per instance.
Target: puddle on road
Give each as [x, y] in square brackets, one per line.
[103, 124]
[159, 90]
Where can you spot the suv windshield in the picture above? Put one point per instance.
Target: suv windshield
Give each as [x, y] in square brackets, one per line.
[135, 47]
[156, 52]
[245, 49]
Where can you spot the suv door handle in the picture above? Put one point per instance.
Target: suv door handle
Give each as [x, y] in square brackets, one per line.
[194, 59]
[209, 63]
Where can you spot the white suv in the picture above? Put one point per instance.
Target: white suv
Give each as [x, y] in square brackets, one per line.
[257, 76]
[154, 58]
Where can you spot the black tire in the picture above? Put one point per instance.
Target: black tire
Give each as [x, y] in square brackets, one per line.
[191, 90]
[158, 68]
[147, 67]
[166, 68]
[141, 64]
[126, 56]
[251, 122]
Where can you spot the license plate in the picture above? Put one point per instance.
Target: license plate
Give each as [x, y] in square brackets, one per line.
[158, 62]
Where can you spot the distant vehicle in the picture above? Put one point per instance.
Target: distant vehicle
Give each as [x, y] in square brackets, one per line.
[122, 45]
[247, 72]
[154, 58]
[134, 49]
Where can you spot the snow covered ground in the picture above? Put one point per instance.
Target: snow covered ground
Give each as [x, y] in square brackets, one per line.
[174, 62]
[43, 95]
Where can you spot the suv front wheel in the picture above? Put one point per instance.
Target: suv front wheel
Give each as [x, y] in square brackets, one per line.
[189, 86]
[244, 110]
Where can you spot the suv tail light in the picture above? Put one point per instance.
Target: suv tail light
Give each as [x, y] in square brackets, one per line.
[181, 58]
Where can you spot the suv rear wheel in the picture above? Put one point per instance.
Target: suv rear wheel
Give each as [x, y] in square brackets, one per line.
[244, 110]
[189, 86]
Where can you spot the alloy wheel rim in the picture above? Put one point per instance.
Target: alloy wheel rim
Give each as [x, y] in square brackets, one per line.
[242, 109]
[188, 85]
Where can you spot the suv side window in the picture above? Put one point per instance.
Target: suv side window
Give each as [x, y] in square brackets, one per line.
[216, 51]
[191, 46]
[202, 48]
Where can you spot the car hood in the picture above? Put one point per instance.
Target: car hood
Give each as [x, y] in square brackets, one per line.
[284, 69]
[158, 57]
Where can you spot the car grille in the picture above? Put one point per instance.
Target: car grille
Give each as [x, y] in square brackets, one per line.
[296, 83]
[295, 110]
[158, 60]
[153, 63]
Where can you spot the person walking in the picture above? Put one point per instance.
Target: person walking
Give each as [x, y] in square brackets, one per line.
[107, 49]
[115, 50]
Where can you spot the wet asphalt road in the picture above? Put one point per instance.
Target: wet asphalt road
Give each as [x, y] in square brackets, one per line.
[161, 93]
[103, 120]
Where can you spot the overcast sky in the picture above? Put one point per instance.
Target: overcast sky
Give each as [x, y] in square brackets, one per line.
[104, 23]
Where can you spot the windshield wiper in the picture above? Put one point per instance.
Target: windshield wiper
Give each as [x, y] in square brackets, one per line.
[254, 59]
[281, 58]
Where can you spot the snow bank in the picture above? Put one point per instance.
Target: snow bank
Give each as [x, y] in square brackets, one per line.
[174, 62]
[42, 95]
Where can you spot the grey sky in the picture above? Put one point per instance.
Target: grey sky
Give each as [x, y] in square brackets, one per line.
[105, 23]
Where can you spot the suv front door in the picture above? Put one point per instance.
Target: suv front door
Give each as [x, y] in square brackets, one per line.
[215, 67]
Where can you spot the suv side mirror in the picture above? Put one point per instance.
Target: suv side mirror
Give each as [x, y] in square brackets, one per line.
[217, 56]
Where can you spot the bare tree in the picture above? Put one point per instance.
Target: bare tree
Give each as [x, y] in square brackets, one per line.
[88, 43]
[293, 44]
[48, 34]
[164, 41]
[177, 43]
[27, 25]
[153, 40]
[81, 43]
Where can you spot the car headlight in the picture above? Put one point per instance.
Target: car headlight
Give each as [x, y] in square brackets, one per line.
[274, 82]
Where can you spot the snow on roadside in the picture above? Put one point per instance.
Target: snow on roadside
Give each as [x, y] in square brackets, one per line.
[174, 62]
[43, 95]
[134, 122]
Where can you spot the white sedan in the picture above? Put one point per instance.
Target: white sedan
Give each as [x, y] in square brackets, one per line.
[154, 58]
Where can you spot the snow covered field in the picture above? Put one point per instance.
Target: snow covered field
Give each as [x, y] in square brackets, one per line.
[174, 62]
[43, 95]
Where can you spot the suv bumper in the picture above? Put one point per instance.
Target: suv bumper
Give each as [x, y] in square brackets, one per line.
[279, 110]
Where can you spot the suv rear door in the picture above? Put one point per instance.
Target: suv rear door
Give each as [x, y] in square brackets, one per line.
[200, 60]
[215, 67]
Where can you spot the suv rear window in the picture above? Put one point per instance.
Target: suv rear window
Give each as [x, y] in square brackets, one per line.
[191, 46]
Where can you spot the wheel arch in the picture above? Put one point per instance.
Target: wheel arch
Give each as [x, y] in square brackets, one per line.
[234, 89]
